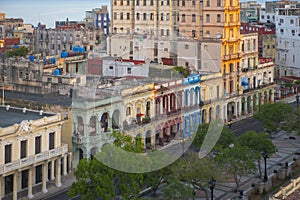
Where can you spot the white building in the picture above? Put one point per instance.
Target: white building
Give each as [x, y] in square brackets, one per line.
[288, 41]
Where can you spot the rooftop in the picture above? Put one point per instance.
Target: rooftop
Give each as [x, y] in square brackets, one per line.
[16, 116]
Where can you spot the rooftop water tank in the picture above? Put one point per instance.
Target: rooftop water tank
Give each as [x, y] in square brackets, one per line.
[31, 58]
[64, 54]
[75, 48]
[56, 72]
[81, 49]
[45, 61]
[52, 60]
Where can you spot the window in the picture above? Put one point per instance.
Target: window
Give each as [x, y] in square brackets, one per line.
[207, 18]
[151, 16]
[231, 17]
[128, 70]
[219, 3]
[145, 2]
[262, 17]
[168, 32]
[193, 33]
[23, 149]
[293, 32]
[137, 2]
[162, 16]
[138, 16]
[38, 174]
[186, 46]
[207, 33]
[51, 140]
[218, 18]
[281, 31]
[128, 111]
[24, 183]
[161, 32]
[293, 58]
[111, 67]
[115, 2]
[183, 18]
[128, 2]
[115, 15]
[168, 2]
[183, 2]
[128, 16]
[281, 21]
[193, 3]
[121, 2]
[291, 21]
[8, 153]
[121, 15]
[207, 3]
[168, 17]
[144, 16]
[193, 18]
[162, 2]
[151, 3]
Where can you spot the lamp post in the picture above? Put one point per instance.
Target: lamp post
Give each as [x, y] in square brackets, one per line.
[182, 141]
[297, 100]
[265, 156]
[212, 184]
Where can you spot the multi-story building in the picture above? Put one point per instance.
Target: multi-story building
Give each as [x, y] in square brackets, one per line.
[249, 11]
[31, 152]
[26, 36]
[267, 14]
[157, 110]
[49, 42]
[98, 18]
[7, 25]
[288, 42]
[266, 38]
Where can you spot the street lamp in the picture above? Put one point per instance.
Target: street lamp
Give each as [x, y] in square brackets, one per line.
[212, 184]
[265, 156]
[182, 141]
[297, 100]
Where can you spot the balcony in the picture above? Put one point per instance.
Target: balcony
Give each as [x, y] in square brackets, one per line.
[232, 56]
[30, 160]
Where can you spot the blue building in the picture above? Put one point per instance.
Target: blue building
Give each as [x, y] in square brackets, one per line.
[98, 18]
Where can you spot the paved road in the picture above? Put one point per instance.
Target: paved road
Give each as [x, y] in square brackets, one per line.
[244, 125]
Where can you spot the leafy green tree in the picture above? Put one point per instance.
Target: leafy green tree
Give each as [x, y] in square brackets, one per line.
[226, 138]
[237, 161]
[257, 143]
[194, 171]
[184, 71]
[21, 51]
[274, 115]
[94, 179]
[155, 179]
[177, 190]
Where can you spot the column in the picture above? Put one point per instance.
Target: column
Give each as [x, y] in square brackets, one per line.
[161, 106]
[225, 113]
[29, 194]
[65, 165]
[1, 186]
[251, 105]
[52, 176]
[44, 179]
[15, 184]
[161, 137]
[58, 177]
[169, 103]
[70, 161]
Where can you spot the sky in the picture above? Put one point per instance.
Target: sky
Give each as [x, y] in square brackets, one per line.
[48, 11]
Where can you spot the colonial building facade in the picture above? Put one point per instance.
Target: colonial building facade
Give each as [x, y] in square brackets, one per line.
[31, 152]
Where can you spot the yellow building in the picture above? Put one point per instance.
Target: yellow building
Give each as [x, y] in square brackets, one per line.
[31, 151]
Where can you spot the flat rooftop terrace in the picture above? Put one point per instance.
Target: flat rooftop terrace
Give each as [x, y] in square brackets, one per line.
[16, 116]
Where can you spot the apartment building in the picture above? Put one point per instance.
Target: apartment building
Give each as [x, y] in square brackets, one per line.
[31, 152]
[98, 18]
[158, 110]
[288, 42]
[7, 25]
[49, 42]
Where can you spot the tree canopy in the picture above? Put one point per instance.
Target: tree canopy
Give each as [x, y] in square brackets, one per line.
[273, 115]
[21, 51]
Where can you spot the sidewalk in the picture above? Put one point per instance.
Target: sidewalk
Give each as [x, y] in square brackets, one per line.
[66, 181]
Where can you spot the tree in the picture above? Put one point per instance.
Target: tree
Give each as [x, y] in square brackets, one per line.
[94, 179]
[194, 171]
[155, 179]
[257, 143]
[293, 122]
[237, 161]
[21, 51]
[177, 190]
[273, 115]
[226, 138]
